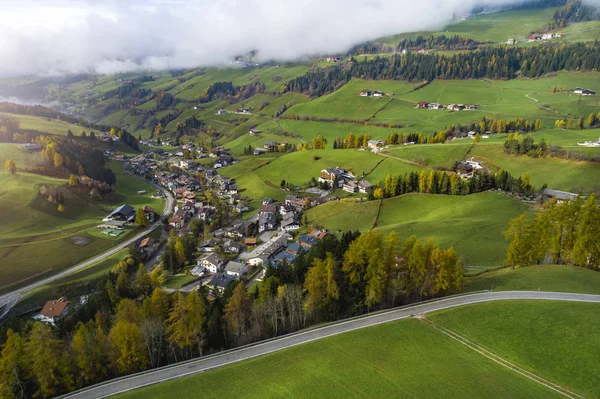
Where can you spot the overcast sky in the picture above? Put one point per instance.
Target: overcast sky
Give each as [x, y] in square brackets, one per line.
[58, 36]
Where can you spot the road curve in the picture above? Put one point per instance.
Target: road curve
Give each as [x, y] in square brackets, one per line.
[8, 297]
[139, 380]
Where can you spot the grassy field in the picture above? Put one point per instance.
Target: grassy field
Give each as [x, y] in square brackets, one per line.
[346, 102]
[432, 155]
[40, 239]
[472, 224]
[44, 125]
[560, 174]
[261, 178]
[537, 277]
[556, 340]
[398, 359]
[496, 28]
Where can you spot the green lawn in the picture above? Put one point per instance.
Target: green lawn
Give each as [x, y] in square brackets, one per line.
[432, 155]
[555, 340]
[398, 359]
[560, 174]
[537, 277]
[472, 224]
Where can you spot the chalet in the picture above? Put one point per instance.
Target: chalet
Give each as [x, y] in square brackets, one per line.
[33, 147]
[209, 245]
[333, 59]
[179, 192]
[232, 247]
[113, 224]
[250, 241]
[350, 186]
[290, 222]
[435, 106]
[297, 202]
[583, 92]
[559, 195]
[267, 201]
[422, 105]
[124, 212]
[236, 269]
[220, 282]
[147, 246]
[511, 41]
[265, 209]
[377, 93]
[241, 208]
[470, 107]
[53, 310]
[211, 261]
[374, 144]
[364, 186]
[267, 221]
[365, 93]
[244, 110]
[259, 151]
[149, 213]
[223, 160]
[285, 209]
[221, 112]
[176, 222]
[253, 132]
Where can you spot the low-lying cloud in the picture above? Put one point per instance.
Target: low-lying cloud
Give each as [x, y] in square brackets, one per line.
[72, 36]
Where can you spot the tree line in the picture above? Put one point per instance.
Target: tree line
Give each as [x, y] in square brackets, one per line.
[449, 183]
[563, 233]
[572, 12]
[489, 62]
[132, 325]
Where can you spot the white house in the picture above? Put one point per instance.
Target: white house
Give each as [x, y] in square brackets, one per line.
[211, 261]
[236, 269]
[198, 271]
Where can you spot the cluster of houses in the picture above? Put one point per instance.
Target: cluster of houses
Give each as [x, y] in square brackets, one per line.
[545, 36]
[376, 93]
[466, 169]
[451, 107]
[341, 178]
[583, 92]
[269, 146]
[333, 59]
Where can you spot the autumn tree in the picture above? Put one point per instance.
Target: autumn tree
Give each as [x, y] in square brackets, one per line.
[10, 166]
[47, 361]
[58, 160]
[237, 311]
[12, 366]
[73, 181]
[140, 217]
[89, 353]
[185, 321]
[321, 286]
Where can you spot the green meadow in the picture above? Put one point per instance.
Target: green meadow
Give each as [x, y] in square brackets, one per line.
[44, 125]
[404, 358]
[559, 278]
[472, 224]
[553, 339]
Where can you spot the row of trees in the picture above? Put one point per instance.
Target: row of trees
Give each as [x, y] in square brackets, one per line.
[592, 121]
[442, 182]
[562, 233]
[132, 325]
[490, 62]
[521, 145]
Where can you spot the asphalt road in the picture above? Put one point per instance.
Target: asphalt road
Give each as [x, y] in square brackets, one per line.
[12, 297]
[135, 381]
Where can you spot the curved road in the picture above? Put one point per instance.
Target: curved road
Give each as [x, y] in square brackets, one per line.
[12, 297]
[139, 380]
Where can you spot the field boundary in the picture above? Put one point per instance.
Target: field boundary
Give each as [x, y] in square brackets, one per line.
[500, 360]
[377, 216]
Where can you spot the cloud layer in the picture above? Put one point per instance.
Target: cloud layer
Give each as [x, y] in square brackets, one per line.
[59, 36]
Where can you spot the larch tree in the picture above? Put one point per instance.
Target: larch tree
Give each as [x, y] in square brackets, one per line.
[237, 311]
[88, 353]
[12, 366]
[140, 217]
[10, 166]
[47, 361]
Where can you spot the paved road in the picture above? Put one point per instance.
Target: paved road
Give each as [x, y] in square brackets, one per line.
[10, 297]
[197, 366]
